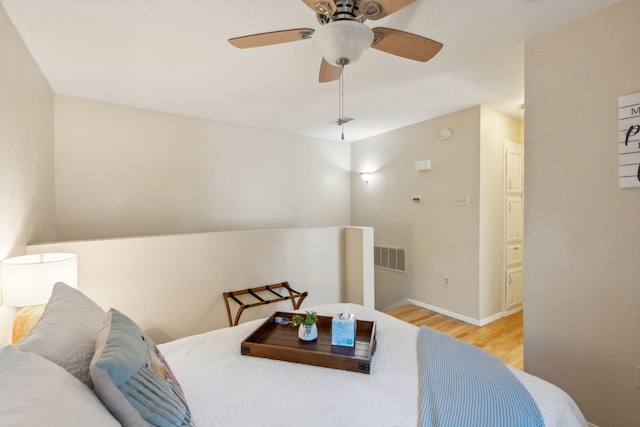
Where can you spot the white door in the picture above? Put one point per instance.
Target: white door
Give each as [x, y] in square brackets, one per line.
[514, 287]
[513, 224]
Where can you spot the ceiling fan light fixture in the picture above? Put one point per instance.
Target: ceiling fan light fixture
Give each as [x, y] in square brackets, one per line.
[342, 42]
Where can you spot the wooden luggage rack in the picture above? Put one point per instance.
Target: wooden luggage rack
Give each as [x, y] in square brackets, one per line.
[269, 294]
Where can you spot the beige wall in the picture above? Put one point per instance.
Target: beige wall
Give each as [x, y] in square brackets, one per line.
[359, 266]
[26, 147]
[440, 239]
[172, 285]
[582, 274]
[122, 171]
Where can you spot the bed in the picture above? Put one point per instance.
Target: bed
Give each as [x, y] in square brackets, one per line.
[220, 387]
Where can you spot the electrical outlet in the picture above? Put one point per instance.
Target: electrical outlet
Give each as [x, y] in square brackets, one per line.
[446, 281]
[637, 376]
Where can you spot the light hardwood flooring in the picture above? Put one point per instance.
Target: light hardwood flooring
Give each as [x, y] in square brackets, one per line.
[502, 338]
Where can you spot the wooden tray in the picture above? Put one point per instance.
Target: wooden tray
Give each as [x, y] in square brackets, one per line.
[280, 341]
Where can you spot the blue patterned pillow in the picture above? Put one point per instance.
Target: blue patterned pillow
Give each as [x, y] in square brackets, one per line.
[133, 379]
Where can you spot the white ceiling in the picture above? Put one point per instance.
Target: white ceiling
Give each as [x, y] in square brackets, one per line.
[173, 56]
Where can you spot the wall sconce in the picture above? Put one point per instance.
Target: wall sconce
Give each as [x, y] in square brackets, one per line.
[366, 176]
[27, 282]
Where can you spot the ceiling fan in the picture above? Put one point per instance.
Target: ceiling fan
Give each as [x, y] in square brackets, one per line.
[343, 36]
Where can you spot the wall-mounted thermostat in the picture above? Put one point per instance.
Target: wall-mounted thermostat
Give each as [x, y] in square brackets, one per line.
[423, 165]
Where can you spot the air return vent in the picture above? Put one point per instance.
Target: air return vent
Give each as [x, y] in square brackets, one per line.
[389, 258]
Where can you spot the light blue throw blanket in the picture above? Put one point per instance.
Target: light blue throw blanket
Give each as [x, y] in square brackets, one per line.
[463, 386]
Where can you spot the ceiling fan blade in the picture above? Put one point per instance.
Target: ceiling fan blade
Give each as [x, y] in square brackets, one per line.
[323, 7]
[328, 72]
[387, 7]
[404, 44]
[274, 37]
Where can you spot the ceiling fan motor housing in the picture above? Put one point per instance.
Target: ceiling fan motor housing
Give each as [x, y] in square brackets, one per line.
[342, 42]
[329, 11]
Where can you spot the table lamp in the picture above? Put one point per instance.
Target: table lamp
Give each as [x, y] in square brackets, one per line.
[27, 282]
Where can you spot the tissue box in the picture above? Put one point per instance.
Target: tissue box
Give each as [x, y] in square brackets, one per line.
[343, 331]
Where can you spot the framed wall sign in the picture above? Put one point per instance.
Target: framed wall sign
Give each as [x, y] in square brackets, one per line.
[629, 140]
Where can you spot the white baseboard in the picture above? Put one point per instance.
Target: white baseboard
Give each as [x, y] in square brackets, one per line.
[475, 322]
[398, 304]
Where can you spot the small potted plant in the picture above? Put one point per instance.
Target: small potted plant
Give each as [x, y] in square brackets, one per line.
[308, 330]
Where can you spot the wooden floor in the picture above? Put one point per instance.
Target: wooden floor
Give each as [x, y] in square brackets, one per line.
[502, 338]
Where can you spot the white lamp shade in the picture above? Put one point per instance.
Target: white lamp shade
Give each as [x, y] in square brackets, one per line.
[28, 280]
[342, 40]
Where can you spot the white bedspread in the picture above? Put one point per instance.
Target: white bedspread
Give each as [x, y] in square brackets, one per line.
[224, 388]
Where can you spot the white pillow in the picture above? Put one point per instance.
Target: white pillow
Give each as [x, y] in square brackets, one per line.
[67, 331]
[36, 392]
